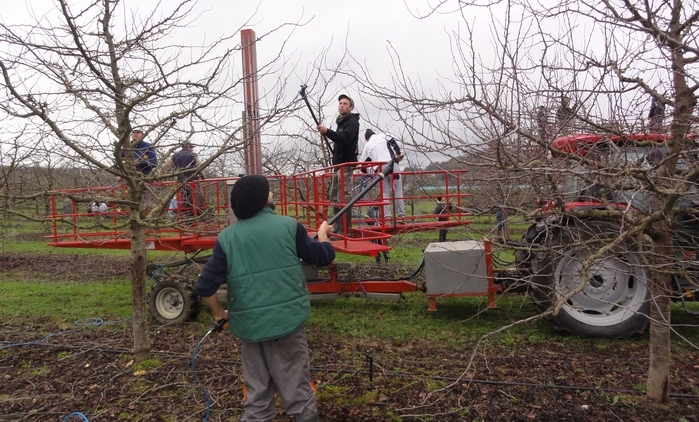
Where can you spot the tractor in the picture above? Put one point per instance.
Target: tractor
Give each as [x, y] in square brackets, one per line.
[572, 256]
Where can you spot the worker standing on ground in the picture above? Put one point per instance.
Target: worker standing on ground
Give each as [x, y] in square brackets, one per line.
[499, 224]
[442, 208]
[345, 147]
[382, 147]
[268, 302]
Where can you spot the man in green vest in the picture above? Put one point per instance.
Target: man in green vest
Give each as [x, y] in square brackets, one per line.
[259, 257]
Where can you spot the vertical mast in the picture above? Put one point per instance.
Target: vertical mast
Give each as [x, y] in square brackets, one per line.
[251, 122]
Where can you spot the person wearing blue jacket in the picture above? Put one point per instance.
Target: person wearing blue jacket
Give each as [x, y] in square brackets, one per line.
[259, 258]
[143, 153]
[184, 163]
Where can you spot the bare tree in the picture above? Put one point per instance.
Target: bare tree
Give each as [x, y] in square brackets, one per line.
[92, 73]
[598, 65]
[13, 156]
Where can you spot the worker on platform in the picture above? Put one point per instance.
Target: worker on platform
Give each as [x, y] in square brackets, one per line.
[345, 145]
[183, 163]
[383, 147]
[144, 155]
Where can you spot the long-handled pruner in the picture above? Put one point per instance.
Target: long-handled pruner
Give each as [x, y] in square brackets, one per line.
[302, 93]
[381, 176]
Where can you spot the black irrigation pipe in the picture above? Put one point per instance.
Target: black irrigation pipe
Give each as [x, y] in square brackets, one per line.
[390, 374]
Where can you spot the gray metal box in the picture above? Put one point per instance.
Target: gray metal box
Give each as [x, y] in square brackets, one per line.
[456, 268]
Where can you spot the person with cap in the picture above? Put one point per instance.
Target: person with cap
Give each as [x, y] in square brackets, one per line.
[383, 147]
[268, 302]
[345, 147]
[143, 153]
[183, 163]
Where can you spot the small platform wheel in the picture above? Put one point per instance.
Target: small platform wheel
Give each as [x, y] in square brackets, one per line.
[172, 300]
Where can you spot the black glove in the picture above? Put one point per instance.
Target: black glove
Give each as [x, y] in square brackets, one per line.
[220, 325]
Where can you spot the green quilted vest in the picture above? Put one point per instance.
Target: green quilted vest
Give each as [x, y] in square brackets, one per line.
[267, 295]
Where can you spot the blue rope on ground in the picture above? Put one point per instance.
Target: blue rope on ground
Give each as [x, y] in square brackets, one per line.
[196, 378]
[36, 342]
[76, 414]
[89, 322]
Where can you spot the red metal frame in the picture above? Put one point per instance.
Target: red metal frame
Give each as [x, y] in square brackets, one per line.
[359, 287]
[302, 196]
[580, 144]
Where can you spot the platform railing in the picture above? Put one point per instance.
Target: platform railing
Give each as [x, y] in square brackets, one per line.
[200, 209]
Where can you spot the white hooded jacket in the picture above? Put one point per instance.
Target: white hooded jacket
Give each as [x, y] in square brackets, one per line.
[377, 149]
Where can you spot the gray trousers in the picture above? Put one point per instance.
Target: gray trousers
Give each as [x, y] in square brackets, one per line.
[344, 172]
[278, 366]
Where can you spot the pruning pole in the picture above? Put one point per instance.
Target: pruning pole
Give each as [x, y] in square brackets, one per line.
[381, 176]
[303, 95]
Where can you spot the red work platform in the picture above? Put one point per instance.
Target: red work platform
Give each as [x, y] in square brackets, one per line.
[379, 289]
[301, 196]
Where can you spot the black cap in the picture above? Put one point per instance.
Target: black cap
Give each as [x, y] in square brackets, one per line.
[249, 196]
[368, 134]
[345, 96]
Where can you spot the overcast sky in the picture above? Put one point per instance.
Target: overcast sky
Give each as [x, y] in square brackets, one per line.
[366, 28]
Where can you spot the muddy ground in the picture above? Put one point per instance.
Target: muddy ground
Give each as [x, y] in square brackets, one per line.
[48, 373]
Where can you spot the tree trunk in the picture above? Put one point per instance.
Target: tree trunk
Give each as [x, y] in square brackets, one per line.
[658, 389]
[139, 260]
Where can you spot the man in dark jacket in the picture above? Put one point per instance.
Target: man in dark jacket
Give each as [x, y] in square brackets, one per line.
[268, 302]
[183, 163]
[345, 149]
[143, 153]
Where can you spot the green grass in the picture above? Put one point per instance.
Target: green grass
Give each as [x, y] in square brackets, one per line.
[456, 321]
[64, 303]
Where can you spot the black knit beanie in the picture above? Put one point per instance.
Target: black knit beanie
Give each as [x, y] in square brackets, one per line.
[368, 134]
[249, 196]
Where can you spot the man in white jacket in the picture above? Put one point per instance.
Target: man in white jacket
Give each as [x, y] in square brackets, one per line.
[382, 147]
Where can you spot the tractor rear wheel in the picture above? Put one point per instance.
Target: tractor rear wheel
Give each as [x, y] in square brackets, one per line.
[172, 299]
[613, 298]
